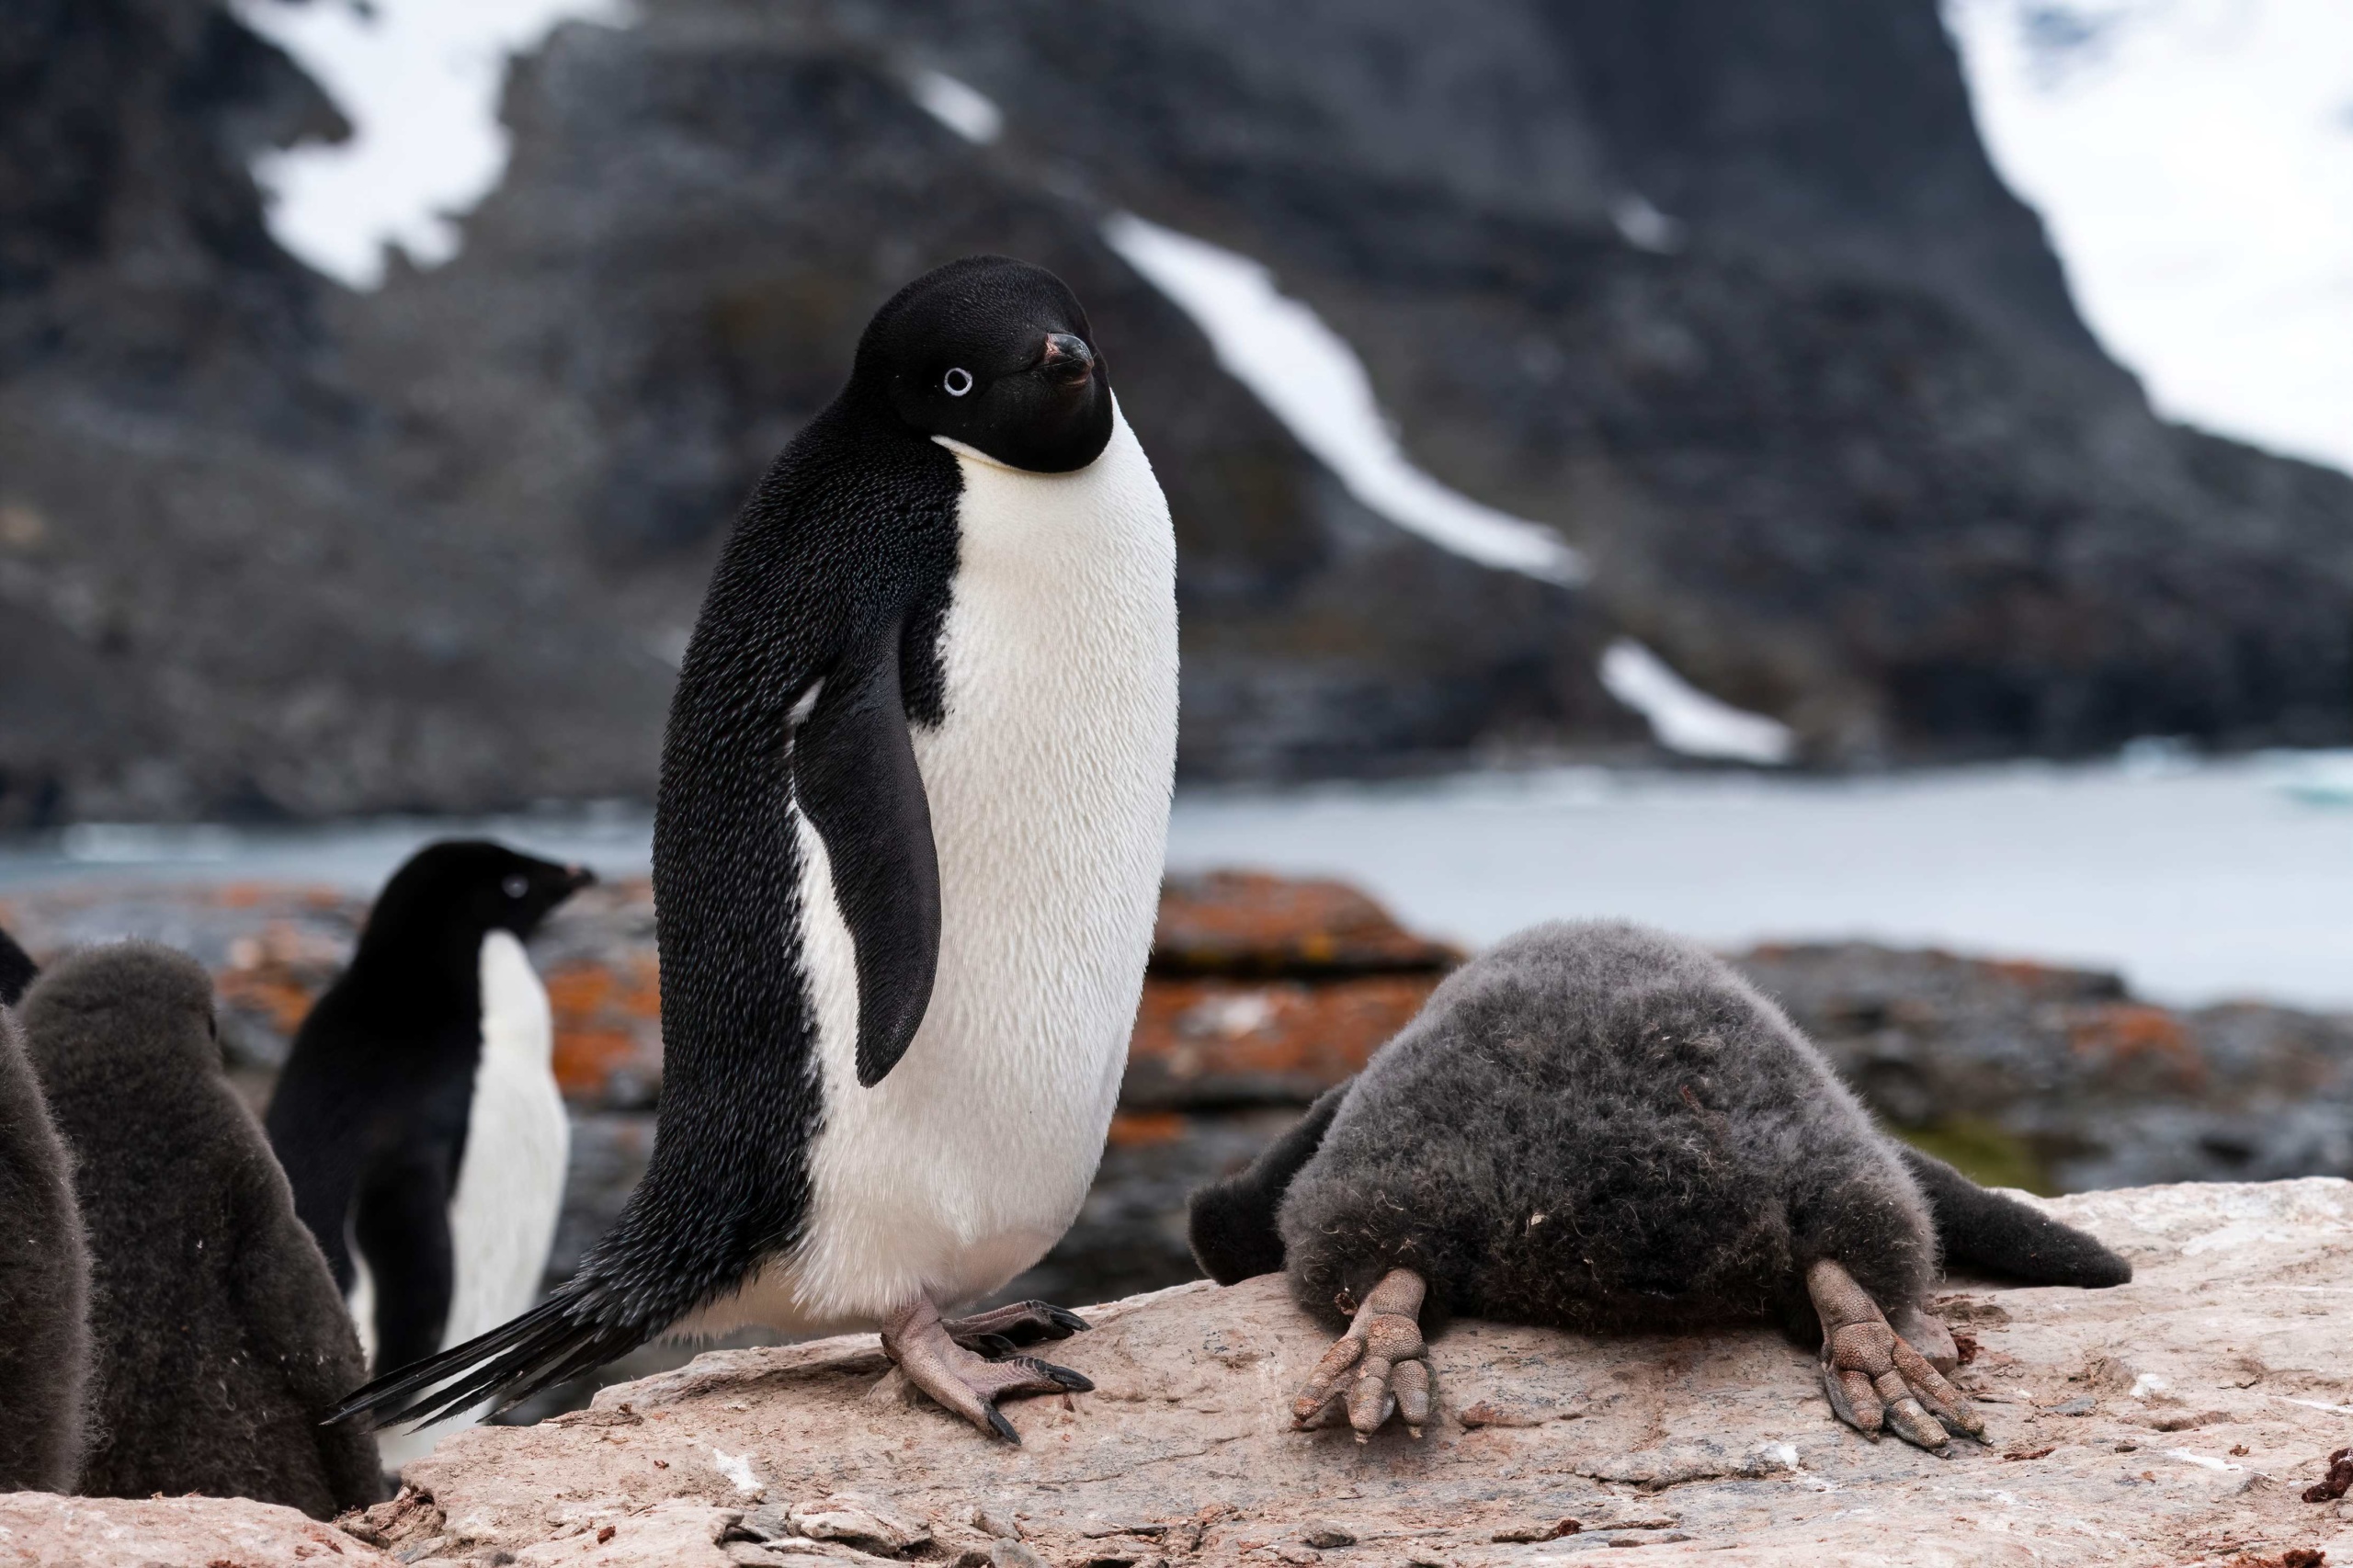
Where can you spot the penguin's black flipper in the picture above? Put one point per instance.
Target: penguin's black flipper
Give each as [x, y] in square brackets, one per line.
[854, 774]
[18, 972]
[1230, 1222]
[401, 1223]
[2004, 1236]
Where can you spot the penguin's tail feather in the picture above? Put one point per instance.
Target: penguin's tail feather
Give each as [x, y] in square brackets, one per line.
[551, 1342]
[1231, 1221]
[2004, 1236]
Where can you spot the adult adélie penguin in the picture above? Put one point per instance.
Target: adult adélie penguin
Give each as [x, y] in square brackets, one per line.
[908, 843]
[417, 1116]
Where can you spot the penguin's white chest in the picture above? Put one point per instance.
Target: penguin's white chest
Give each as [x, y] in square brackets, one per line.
[1049, 788]
[509, 1192]
[510, 1179]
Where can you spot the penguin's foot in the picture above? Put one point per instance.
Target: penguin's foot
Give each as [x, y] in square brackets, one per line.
[997, 1333]
[929, 1358]
[1875, 1379]
[1378, 1369]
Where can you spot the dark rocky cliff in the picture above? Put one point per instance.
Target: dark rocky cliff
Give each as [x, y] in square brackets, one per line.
[1728, 294]
[1834, 434]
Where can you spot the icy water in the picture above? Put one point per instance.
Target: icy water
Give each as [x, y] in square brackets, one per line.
[2200, 882]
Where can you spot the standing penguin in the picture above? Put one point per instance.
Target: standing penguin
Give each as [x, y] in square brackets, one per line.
[217, 1343]
[1601, 1128]
[912, 810]
[417, 1116]
[44, 1270]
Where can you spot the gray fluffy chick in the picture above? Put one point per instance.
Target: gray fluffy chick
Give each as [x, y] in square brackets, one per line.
[1602, 1128]
[44, 1283]
[218, 1340]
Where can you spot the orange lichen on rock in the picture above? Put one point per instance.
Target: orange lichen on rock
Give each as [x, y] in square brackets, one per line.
[2123, 1033]
[275, 973]
[1140, 1129]
[1209, 1041]
[607, 1029]
[1254, 923]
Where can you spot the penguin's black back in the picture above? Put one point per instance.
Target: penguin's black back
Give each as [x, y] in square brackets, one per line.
[370, 1116]
[44, 1286]
[219, 1340]
[1598, 1127]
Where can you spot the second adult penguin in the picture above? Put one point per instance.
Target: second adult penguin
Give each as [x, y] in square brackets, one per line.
[417, 1116]
[912, 810]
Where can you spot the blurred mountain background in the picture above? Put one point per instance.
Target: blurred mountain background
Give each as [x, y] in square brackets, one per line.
[1716, 359]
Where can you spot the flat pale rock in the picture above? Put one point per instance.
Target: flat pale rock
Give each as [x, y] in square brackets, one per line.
[38, 1530]
[2207, 1392]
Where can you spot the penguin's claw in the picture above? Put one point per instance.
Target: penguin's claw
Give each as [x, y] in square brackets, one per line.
[1022, 1323]
[929, 1358]
[1384, 1350]
[1875, 1379]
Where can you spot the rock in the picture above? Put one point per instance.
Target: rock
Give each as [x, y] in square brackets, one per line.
[2031, 1074]
[1253, 923]
[38, 1530]
[854, 1521]
[1716, 1439]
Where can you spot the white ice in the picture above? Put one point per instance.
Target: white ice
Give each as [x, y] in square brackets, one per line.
[963, 108]
[1686, 718]
[420, 82]
[1310, 380]
[2194, 161]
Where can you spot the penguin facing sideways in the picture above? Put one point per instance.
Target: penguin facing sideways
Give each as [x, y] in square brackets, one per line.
[417, 1116]
[907, 850]
[218, 1341]
[1602, 1128]
[44, 1270]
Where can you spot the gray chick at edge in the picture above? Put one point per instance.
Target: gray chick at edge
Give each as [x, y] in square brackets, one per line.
[219, 1342]
[44, 1270]
[1604, 1129]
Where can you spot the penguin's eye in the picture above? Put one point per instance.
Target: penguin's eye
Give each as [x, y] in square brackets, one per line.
[957, 382]
[517, 885]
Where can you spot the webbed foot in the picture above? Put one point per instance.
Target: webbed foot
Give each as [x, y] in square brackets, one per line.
[1875, 1377]
[929, 1357]
[1380, 1368]
[998, 1332]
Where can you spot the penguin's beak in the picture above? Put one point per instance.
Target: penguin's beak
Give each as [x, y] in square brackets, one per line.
[1065, 359]
[581, 877]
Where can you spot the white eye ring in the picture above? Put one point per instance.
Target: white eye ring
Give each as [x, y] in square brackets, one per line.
[957, 382]
[516, 886]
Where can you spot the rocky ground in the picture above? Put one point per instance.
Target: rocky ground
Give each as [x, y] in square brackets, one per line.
[2187, 1418]
[1263, 992]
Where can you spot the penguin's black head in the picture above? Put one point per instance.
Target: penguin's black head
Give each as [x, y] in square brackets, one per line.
[996, 354]
[467, 888]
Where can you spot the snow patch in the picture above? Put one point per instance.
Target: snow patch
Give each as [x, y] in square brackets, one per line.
[1310, 380]
[1686, 718]
[420, 81]
[964, 109]
[2194, 161]
[738, 1469]
[1644, 227]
